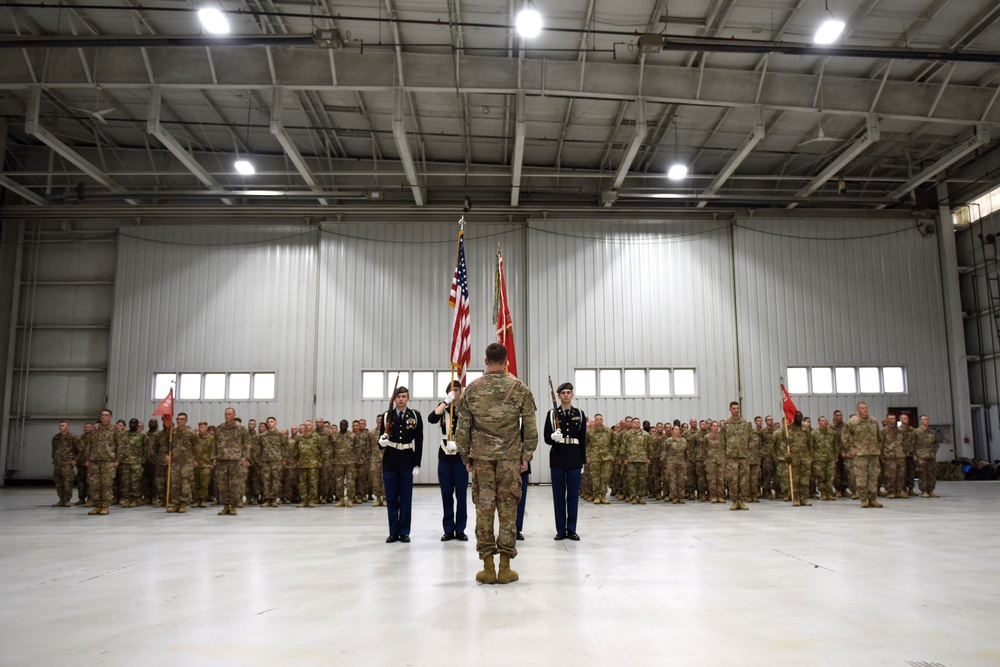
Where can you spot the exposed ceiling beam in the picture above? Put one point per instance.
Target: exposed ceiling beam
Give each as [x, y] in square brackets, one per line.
[291, 150]
[981, 138]
[845, 158]
[518, 162]
[154, 128]
[22, 191]
[756, 136]
[641, 130]
[403, 147]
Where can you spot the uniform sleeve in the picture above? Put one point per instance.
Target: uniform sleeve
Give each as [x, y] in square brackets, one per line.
[434, 417]
[530, 426]
[418, 440]
[548, 428]
[463, 430]
[583, 436]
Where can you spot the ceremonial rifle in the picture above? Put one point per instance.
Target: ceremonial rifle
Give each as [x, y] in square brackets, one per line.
[555, 405]
[392, 399]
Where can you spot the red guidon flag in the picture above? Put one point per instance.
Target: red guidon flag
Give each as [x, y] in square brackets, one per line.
[461, 345]
[501, 315]
[166, 407]
[787, 405]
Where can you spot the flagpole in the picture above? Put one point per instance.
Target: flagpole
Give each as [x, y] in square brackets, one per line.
[451, 406]
[788, 446]
[170, 446]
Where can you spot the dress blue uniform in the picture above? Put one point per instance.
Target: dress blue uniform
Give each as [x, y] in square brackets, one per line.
[402, 455]
[566, 460]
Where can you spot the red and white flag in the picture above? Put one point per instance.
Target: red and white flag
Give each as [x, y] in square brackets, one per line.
[786, 404]
[166, 407]
[458, 299]
[501, 315]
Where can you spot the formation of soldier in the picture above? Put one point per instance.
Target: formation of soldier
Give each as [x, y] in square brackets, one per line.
[712, 461]
[228, 464]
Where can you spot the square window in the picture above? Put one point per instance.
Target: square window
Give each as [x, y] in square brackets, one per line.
[869, 380]
[423, 384]
[585, 382]
[635, 382]
[684, 382]
[263, 386]
[239, 386]
[470, 376]
[162, 384]
[190, 386]
[798, 381]
[215, 386]
[892, 380]
[847, 380]
[611, 382]
[659, 382]
[372, 384]
[822, 380]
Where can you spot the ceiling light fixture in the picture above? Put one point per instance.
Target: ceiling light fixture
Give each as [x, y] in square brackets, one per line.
[830, 29]
[244, 167]
[678, 170]
[529, 21]
[213, 20]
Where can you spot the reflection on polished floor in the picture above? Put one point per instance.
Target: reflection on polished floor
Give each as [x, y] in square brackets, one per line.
[912, 584]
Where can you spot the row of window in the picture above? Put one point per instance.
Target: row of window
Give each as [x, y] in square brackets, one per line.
[240, 386]
[846, 380]
[422, 384]
[617, 382]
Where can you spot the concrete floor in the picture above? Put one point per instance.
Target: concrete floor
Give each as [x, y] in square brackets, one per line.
[913, 584]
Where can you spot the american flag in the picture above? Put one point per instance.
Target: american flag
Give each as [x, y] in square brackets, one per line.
[459, 300]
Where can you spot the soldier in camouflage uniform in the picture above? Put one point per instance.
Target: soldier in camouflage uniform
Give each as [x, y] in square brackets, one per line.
[619, 478]
[375, 464]
[795, 441]
[675, 466]
[253, 469]
[232, 447]
[657, 455]
[65, 448]
[925, 443]
[637, 454]
[910, 451]
[715, 463]
[492, 413]
[135, 454]
[737, 436]
[273, 458]
[158, 454]
[766, 459]
[600, 444]
[343, 465]
[363, 447]
[181, 461]
[758, 452]
[842, 471]
[894, 458]
[83, 493]
[104, 451]
[826, 448]
[204, 444]
[782, 469]
[863, 440]
[309, 461]
[327, 488]
[148, 467]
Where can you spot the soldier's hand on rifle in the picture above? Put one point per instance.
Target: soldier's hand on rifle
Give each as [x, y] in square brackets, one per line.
[167, 459]
[557, 435]
[450, 447]
[383, 440]
[416, 471]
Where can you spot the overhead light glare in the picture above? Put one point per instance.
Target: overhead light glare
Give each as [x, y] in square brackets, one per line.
[677, 172]
[829, 31]
[529, 22]
[213, 21]
[244, 167]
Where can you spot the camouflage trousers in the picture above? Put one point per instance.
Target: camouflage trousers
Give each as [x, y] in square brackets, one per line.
[655, 478]
[738, 478]
[675, 479]
[801, 471]
[782, 479]
[716, 472]
[754, 481]
[230, 476]
[866, 477]
[343, 480]
[586, 481]
[895, 475]
[289, 484]
[496, 490]
[600, 476]
[375, 484]
[82, 473]
[823, 471]
[361, 479]
[618, 479]
[148, 480]
[270, 478]
[927, 470]
[160, 482]
[253, 482]
[701, 479]
[181, 476]
[64, 474]
[309, 484]
[327, 488]
[767, 476]
[131, 481]
[101, 482]
[637, 479]
[911, 472]
[202, 480]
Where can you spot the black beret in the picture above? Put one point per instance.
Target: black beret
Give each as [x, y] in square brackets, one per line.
[400, 390]
[564, 386]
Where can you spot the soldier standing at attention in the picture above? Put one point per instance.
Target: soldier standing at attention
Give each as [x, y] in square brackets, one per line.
[136, 446]
[453, 477]
[273, 451]
[309, 461]
[64, 454]
[675, 466]
[491, 416]
[104, 451]
[600, 443]
[375, 463]
[82, 492]
[569, 451]
[715, 463]
[344, 454]
[403, 444]
[909, 448]
[232, 447]
[796, 447]
[825, 449]
[737, 434]
[181, 461]
[637, 455]
[894, 458]
[204, 443]
[925, 442]
[363, 445]
[863, 441]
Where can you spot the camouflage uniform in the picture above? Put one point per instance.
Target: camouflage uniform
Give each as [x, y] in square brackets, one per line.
[232, 447]
[600, 444]
[925, 442]
[104, 451]
[619, 478]
[910, 451]
[894, 457]
[797, 445]
[715, 466]
[700, 472]
[273, 455]
[491, 414]
[692, 438]
[157, 452]
[344, 466]
[309, 460]
[203, 446]
[362, 464]
[675, 466]
[82, 492]
[766, 463]
[863, 440]
[737, 436]
[375, 453]
[826, 446]
[637, 455]
[782, 469]
[758, 452]
[65, 449]
[327, 487]
[182, 466]
[655, 487]
[135, 454]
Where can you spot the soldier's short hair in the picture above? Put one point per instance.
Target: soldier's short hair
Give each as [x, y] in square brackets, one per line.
[343, 425]
[496, 353]
[106, 410]
[269, 418]
[120, 421]
[202, 423]
[454, 384]
[182, 414]
[238, 420]
[63, 421]
[732, 403]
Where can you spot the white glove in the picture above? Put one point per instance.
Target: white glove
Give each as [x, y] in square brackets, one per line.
[416, 471]
[450, 447]
[383, 440]
[557, 435]
[449, 397]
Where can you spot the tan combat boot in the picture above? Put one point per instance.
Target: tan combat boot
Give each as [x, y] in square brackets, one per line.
[96, 510]
[103, 509]
[642, 501]
[488, 575]
[806, 502]
[505, 575]
[173, 509]
[182, 508]
[864, 503]
[340, 503]
[735, 505]
[597, 501]
[635, 501]
[874, 503]
[605, 501]
[743, 506]
[350, 503]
